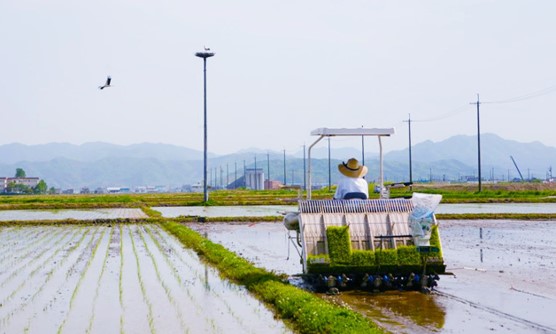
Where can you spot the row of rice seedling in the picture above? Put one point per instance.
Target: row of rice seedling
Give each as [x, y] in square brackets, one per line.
[123, 278]
[29, 263]
[309, 313]
[69, 317]
[16, 241]
[54, 312]
[39, 294]
[104, 313]
[94, 304]
[227, 307]
[161, 281]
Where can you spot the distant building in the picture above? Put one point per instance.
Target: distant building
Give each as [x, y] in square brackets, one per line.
[272, 184]
[197, 188]
[254, 178]
[30, 182]
[118, 190]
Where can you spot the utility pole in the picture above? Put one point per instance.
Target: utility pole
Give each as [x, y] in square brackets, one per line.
[268, 168]
[410, 161]
[478, 103]
[304, 171]
[362, 150]
[256, 178]
[221, 177]
[285, 167]
[329, 175]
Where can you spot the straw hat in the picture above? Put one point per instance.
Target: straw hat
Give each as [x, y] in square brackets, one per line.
[352, 168]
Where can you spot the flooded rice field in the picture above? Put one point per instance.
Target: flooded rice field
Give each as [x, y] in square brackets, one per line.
[82, 214]
[225, 211]
[276, 210]
[503, 277]
[116, 278]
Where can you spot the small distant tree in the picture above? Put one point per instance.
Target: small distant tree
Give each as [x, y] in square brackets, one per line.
[19, 172]
[10, 187]
[52, 190]
[17, 188]
[40, 188]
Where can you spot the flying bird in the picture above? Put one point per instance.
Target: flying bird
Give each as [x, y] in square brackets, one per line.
[207, 49]
[107, 84]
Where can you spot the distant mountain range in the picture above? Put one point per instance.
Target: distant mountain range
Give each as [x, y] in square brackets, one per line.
[103, 165]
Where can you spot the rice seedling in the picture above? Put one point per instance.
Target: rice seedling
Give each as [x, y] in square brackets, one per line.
[32, 267]
[142, 286]
[120, 281]
[161, 281]
[21, 245]
[197, 307]
[15, 262]
[34, 299]
[227, 296]
[88, 272]
[99, 280]
[95, 246]
[193, 270]
[309, 313]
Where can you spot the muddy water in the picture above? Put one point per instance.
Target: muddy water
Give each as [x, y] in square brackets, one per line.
[119, 278]
[503, 277]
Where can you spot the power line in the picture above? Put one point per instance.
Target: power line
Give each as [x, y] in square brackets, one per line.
[465, 107]
[527, 96]
[449, 114]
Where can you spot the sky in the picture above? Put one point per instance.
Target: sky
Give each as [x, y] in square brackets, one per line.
[281, 69]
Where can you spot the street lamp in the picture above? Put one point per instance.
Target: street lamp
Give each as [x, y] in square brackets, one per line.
[205, 54]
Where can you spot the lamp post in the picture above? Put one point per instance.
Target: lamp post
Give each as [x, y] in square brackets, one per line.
[205, 54]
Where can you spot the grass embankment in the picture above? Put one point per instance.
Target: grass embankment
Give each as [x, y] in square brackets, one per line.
[89, 201]
[503, 192]
[306, 312]
[451, 193]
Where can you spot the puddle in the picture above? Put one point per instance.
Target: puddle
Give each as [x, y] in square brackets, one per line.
[120, 278]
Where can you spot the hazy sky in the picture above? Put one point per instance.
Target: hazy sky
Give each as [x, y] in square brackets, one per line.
[281, 69]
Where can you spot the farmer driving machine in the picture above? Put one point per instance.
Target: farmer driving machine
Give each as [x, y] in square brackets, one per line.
[374, 244]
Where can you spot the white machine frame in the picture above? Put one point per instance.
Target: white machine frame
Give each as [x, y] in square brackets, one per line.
[337, 132]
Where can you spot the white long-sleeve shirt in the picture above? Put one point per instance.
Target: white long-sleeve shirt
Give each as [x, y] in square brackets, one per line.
[350, 185]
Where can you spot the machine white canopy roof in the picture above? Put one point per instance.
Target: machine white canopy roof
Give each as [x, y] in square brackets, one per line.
[328, 132]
